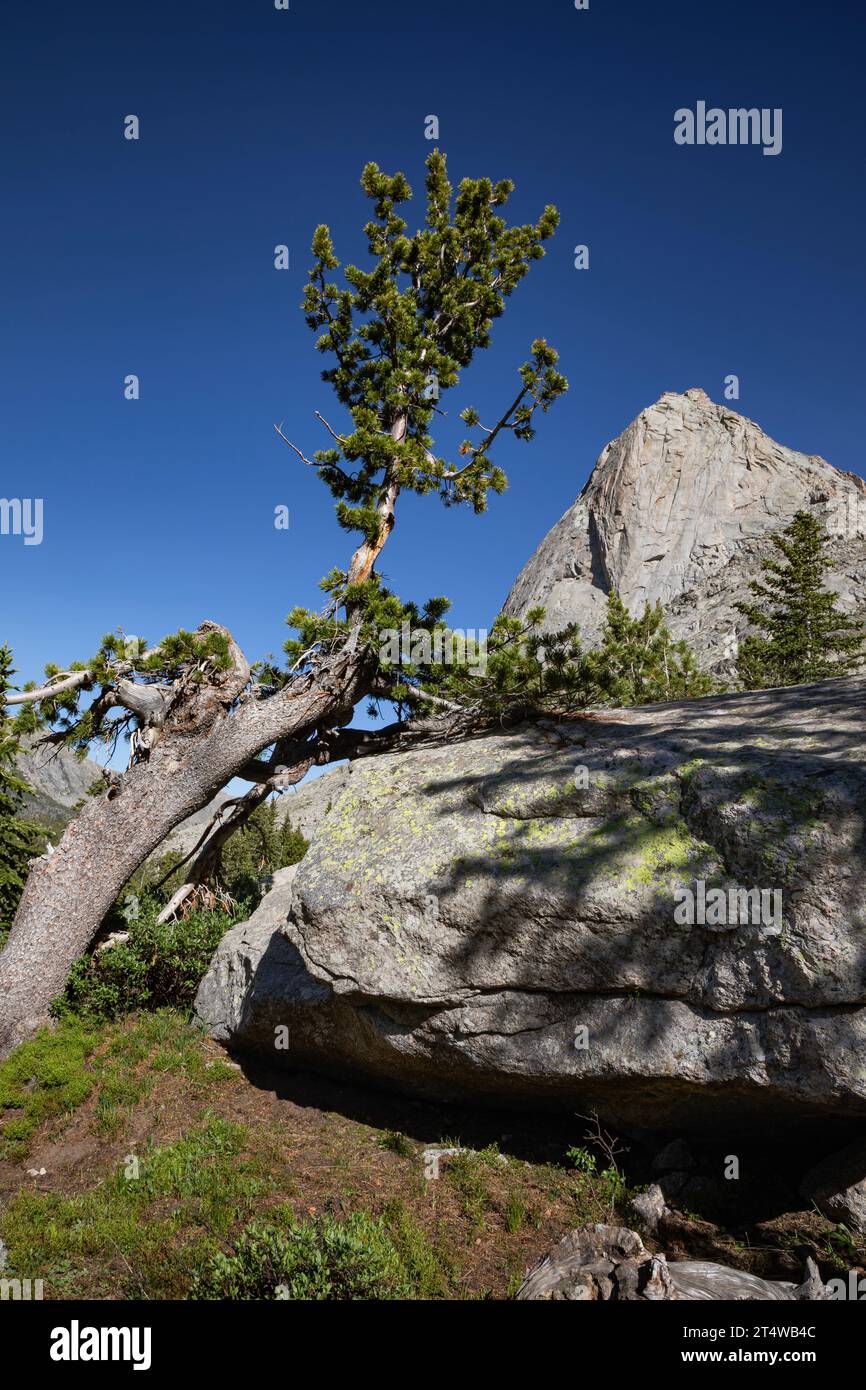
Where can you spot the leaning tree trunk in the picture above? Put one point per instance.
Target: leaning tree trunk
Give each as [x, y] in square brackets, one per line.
[211, 732]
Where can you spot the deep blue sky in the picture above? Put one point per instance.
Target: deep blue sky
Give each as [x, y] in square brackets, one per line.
[156, 258]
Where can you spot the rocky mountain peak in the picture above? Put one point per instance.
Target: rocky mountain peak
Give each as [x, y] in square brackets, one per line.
[680, 508]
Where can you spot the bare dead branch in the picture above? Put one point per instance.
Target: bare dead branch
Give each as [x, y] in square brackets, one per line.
[340, 438]
[231, 817]
[48, 692]
[309, 462]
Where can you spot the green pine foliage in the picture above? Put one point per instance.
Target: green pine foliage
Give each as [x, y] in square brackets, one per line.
[399, 334]
[638, 661]
[380, 610]
[82, 720]
[20, 840]
[421, 312]
[803, 635]
[266, 843]
[526, 673]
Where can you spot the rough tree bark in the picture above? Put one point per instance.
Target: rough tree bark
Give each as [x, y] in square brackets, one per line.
[208, 734]
[367, 554]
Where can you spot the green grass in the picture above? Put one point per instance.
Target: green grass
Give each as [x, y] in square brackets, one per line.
[431, 1269]
[197, 1218]
[43, 1078]
[223, 1210]
[515, 1214]
[61, 1068]
[465, 1172]
[140, 1231]
[840, 1247]
[192, 1219]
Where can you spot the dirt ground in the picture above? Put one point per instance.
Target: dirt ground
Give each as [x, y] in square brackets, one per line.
[240, 1142]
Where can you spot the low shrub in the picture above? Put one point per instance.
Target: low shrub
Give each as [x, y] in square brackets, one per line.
[313, 1260]
[156, 967]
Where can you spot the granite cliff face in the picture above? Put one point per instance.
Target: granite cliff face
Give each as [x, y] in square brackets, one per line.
[680, 508]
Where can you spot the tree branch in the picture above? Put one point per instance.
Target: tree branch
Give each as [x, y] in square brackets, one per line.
[309, 462]
[340, 438]
[479, 454]
[47, 692]
[210, 845]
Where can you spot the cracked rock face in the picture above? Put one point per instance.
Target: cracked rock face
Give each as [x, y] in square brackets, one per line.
[496, 918]
[679, 508]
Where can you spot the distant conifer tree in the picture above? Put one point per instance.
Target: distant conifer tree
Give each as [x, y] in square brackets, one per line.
[639, 662]
[806, 637]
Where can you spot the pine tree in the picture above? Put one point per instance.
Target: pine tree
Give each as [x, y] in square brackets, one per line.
[19, 839]
[524, 673]
[529, 672]
[400, 335]
[397, 337]
[638, 661]
[806, 638]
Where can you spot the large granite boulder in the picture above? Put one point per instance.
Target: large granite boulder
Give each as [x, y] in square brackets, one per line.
[680, 508]
[498, 918]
